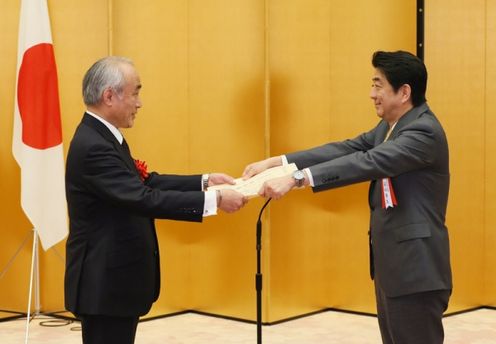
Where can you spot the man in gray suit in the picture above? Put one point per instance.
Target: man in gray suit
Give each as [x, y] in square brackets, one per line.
[406, 159]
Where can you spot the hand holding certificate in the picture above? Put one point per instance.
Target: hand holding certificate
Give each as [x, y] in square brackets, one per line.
[250, 187]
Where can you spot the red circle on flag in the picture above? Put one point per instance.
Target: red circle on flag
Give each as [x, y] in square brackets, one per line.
[38, 98]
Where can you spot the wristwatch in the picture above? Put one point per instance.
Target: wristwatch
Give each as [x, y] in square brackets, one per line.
[205, 180]
[299, 177]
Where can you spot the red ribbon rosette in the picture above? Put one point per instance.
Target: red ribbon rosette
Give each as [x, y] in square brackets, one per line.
[141, 167]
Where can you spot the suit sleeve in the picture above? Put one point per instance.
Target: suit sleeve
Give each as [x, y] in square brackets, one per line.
[331, 151]
[414, 147]
[174, 182]
[106, 175]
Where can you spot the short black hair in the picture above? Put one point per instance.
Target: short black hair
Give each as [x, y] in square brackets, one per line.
[400, 68]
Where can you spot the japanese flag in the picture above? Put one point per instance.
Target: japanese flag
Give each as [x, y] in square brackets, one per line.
[37, 137]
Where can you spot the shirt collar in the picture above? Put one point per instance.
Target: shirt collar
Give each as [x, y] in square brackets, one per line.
[112, 129]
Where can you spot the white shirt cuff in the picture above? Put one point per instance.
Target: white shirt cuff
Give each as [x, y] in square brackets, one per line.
[210, 206]
[310, 177]
[306, 170]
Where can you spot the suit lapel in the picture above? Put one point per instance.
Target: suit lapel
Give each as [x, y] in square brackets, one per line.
[381, 133]
[105, 132]
[408, 118]
[126, 154]
[403, 121]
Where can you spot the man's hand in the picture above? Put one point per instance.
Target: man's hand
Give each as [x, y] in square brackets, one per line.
[277, 187]
[260, 166]
[219, 178]
[230, 200]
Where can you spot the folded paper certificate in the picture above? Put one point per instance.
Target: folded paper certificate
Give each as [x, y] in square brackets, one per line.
[250, 187]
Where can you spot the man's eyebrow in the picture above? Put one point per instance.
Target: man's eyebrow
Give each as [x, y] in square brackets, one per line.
[376, 78]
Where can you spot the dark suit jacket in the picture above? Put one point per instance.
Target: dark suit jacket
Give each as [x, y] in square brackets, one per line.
[112, 265]
[410, 241]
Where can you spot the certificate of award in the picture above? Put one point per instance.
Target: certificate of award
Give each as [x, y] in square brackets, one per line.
[250, 187]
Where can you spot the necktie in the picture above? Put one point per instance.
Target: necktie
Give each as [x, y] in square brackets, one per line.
[126, 146]
[127, 152]
[390, 130]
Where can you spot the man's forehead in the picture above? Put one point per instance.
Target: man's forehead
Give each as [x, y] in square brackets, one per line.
[378, 77]
[137, 79]
[133, 78]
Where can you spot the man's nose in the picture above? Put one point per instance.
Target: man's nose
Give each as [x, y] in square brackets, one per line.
[372, 94]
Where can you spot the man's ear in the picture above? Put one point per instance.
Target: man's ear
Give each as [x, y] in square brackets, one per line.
[108, 96]
[406, 93]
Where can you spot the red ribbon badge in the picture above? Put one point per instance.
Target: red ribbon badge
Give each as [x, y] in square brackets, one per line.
[387, 193]
[142, 169]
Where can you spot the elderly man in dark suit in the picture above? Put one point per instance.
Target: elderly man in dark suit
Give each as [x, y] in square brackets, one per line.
[112, 269]
[406, 159]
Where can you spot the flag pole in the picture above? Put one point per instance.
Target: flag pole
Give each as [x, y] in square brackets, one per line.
[37, 298]
[34, 275]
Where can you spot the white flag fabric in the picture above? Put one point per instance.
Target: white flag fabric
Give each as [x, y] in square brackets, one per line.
[37, 136]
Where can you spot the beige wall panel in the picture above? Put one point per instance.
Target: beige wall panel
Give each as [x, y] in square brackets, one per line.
[226, 99]
[226, 83]
[490, 157]
[455, 50]
[320, 54]
[202, 70]
[299, 105]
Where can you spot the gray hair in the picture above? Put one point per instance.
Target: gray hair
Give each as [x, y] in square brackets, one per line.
[105, 73]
